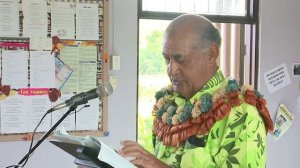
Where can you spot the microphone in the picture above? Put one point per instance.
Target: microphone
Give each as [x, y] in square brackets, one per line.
[102, 90]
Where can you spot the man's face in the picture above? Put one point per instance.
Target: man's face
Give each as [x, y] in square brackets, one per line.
[186, 63]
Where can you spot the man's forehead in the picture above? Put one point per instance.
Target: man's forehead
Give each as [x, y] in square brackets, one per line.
[179, 46]
[182, 39]
[174, 50]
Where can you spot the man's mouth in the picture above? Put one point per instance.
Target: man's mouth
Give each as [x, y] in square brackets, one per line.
[175, 82]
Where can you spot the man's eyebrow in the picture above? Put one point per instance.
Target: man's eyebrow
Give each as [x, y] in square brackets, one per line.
[165, 56]
[176, 56]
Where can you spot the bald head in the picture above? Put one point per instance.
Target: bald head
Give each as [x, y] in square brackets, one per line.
[196, 28]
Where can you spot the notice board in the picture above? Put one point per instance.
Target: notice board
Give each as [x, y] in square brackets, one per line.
[50, 51]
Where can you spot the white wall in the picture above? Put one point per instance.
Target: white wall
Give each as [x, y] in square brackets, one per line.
[279, 43]
[121, 106]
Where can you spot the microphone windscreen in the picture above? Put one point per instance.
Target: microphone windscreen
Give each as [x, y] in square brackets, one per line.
[104, 89]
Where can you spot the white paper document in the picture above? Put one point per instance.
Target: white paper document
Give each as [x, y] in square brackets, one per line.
[38, 43]
[9, 18]
[62, 73]
[35, 21]
[15, 68]
[42, 69]
[277, 78]
[69, 122]
[82, 60]
[37, 107]
[13, 115]
[87, 21]
[63, 20]
[88, 117]
[87, 75]
[70, 56]
[62, 135]
[111, 157]
[20, 114]
[87, 67]
[283, 121]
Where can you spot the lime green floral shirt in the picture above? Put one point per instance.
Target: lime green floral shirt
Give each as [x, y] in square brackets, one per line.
[238, 140]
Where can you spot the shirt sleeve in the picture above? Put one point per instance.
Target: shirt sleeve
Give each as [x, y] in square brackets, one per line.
[238, 140]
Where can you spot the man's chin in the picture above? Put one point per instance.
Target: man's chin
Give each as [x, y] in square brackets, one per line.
[180, 91]
[177, 90]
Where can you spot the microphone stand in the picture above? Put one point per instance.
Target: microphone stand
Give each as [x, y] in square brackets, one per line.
[72, 108]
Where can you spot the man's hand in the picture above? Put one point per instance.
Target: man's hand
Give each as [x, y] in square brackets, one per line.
[141, 157]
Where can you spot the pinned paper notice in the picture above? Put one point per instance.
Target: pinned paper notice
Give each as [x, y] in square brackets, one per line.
[277, 78]
[283, 121]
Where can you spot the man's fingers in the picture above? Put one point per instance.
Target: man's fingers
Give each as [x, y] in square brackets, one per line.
[130, 147]
[134, 154]
[140, 162]
[129, 143]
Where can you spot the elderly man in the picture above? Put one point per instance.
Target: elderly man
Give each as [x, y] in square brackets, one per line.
[202, 119]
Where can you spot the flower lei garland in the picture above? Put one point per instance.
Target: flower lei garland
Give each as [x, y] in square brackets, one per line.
[173, 125]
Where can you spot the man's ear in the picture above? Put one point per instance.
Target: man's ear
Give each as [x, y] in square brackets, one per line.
[212, 54]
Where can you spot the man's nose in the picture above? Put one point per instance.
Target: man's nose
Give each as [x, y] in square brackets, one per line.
[172, 68]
